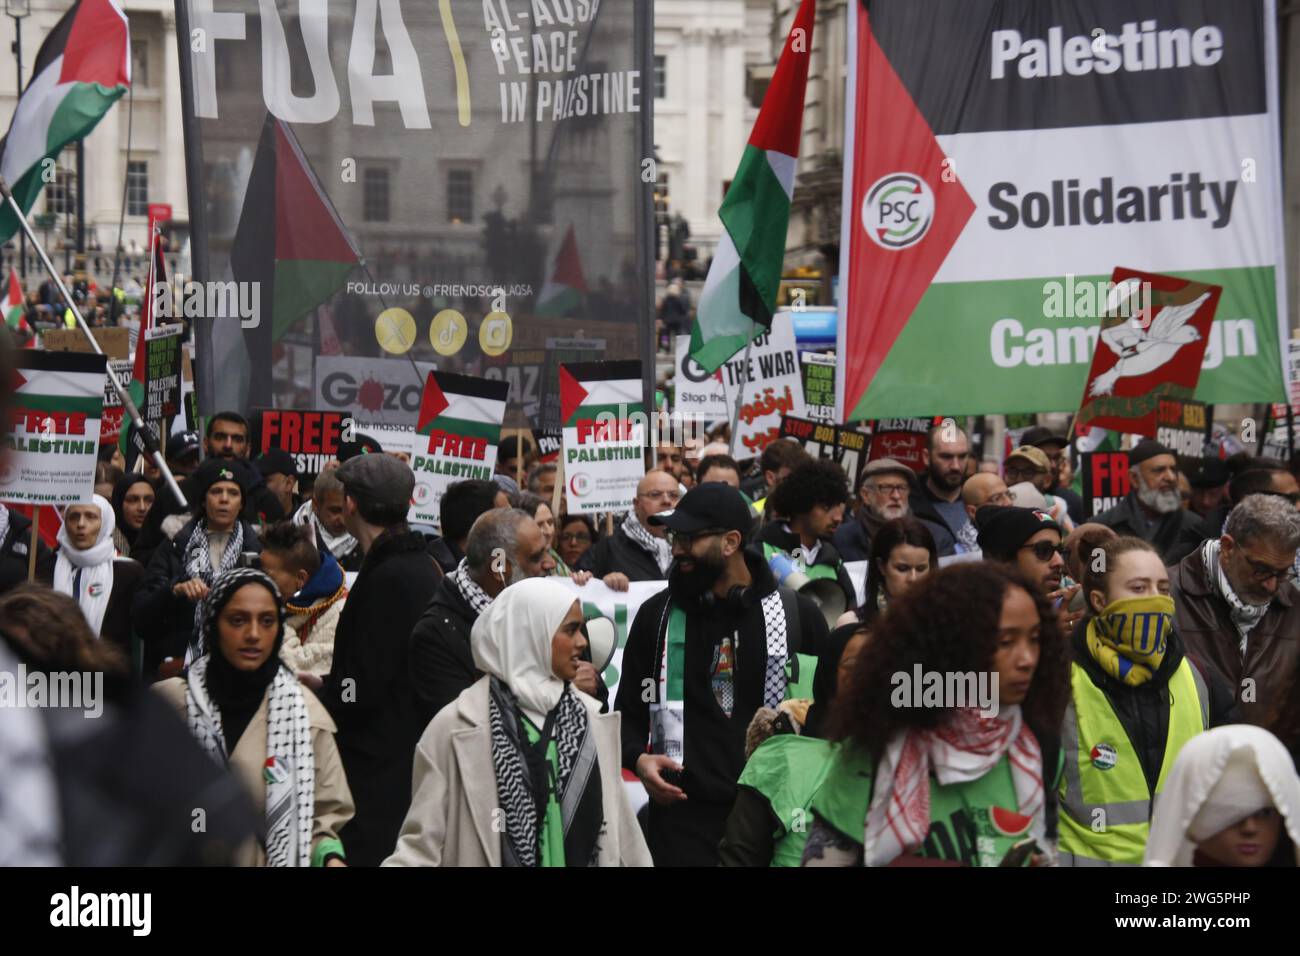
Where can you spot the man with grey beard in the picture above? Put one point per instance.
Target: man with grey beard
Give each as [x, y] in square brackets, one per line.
[504, 546]
[1153, 510]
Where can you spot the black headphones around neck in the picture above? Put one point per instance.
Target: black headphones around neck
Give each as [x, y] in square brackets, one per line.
[734, 601]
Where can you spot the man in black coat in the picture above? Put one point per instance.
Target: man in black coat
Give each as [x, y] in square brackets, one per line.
[368, 691]
[721, 612]
[638, 549]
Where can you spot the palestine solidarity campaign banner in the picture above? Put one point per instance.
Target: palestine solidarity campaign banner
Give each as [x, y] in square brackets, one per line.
[458, 432]
[455, 183]
[1000, 152]
[53, 443]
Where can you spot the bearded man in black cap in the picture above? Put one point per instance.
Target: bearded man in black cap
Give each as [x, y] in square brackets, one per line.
[1031, 541]
[368, 691]
[701, 658]
[1153, 510]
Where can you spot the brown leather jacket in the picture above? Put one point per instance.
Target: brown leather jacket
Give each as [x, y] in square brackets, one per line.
[1202, 619]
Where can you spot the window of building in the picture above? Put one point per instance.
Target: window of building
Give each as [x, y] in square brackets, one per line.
[375, 195]
[60, 198]
[137, 188]
[661, 79]
[140, 63]
[460, 195]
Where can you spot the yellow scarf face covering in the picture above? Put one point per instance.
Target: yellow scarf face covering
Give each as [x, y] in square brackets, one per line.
[1128, 639]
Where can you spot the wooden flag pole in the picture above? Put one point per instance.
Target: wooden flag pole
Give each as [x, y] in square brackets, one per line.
[33, 544]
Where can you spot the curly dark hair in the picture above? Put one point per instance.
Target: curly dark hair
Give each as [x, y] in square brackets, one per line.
[891, 534]
[815, 482]
[947, 622]
[47, 630]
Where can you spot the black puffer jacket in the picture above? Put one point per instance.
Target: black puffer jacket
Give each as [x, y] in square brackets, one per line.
[163, 621]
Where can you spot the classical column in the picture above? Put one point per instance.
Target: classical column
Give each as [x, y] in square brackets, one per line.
[171, 155]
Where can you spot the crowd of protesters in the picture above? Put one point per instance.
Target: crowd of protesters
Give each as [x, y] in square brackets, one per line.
[943, 666]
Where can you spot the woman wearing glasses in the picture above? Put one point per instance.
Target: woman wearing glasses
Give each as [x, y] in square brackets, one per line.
[576, 536]
[1135, 699]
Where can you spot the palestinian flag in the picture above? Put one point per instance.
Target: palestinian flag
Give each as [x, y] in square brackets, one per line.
[291, 242]
[739, 294]
[565, 290]
[82, 67]
[157, 278]
[461, 415]
[14, 311]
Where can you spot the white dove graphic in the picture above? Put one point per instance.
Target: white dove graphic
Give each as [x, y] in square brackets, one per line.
[1143, 350]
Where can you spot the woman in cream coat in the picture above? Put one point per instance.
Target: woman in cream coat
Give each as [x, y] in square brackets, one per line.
[248, 711]
[522, 769]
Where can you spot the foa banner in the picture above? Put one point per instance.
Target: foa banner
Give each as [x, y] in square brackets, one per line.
[453, 183]
[1002, 157]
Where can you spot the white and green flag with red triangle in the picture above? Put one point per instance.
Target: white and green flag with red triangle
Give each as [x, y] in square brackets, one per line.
[740, 291]
[81, 69]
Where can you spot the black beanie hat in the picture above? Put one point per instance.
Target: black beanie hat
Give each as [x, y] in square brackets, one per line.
[221, 469]
[1003, 530]
[1147, 448]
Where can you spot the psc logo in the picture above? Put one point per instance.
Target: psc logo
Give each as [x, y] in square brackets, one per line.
[898, 210]
[580, 484]
[423, 494]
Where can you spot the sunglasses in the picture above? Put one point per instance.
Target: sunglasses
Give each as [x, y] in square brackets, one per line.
[1044, 550]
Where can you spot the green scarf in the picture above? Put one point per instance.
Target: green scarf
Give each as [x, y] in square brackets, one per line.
[1129, 638]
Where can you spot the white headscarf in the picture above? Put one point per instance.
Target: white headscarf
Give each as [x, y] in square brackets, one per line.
[95, 564]
[511, 640]
[1219, 778]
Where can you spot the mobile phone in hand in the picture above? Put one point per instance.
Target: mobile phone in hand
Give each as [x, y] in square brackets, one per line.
[1019, 854]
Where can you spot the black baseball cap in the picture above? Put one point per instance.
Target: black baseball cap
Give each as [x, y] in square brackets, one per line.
[276, 461]
[1213, 473]
[713, 504]
[183, 445]
[364, 445]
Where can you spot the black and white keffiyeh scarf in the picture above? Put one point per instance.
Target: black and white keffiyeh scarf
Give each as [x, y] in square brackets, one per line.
[198, 564]
[290, 768]
[1244, 616]
[474, 595]
[659, 548]
[523, 778]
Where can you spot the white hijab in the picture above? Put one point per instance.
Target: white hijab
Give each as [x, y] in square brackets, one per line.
[95, 564]
[1219, 778]
[511, 640]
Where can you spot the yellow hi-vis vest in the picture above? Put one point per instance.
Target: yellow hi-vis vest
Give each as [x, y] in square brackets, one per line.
[69, 320]
[1105, 802]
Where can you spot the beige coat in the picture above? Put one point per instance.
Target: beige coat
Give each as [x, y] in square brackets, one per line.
[333, 798]
[454, 803]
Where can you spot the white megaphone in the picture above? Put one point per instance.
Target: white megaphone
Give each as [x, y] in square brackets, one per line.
[602, 641]
[826, 593]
